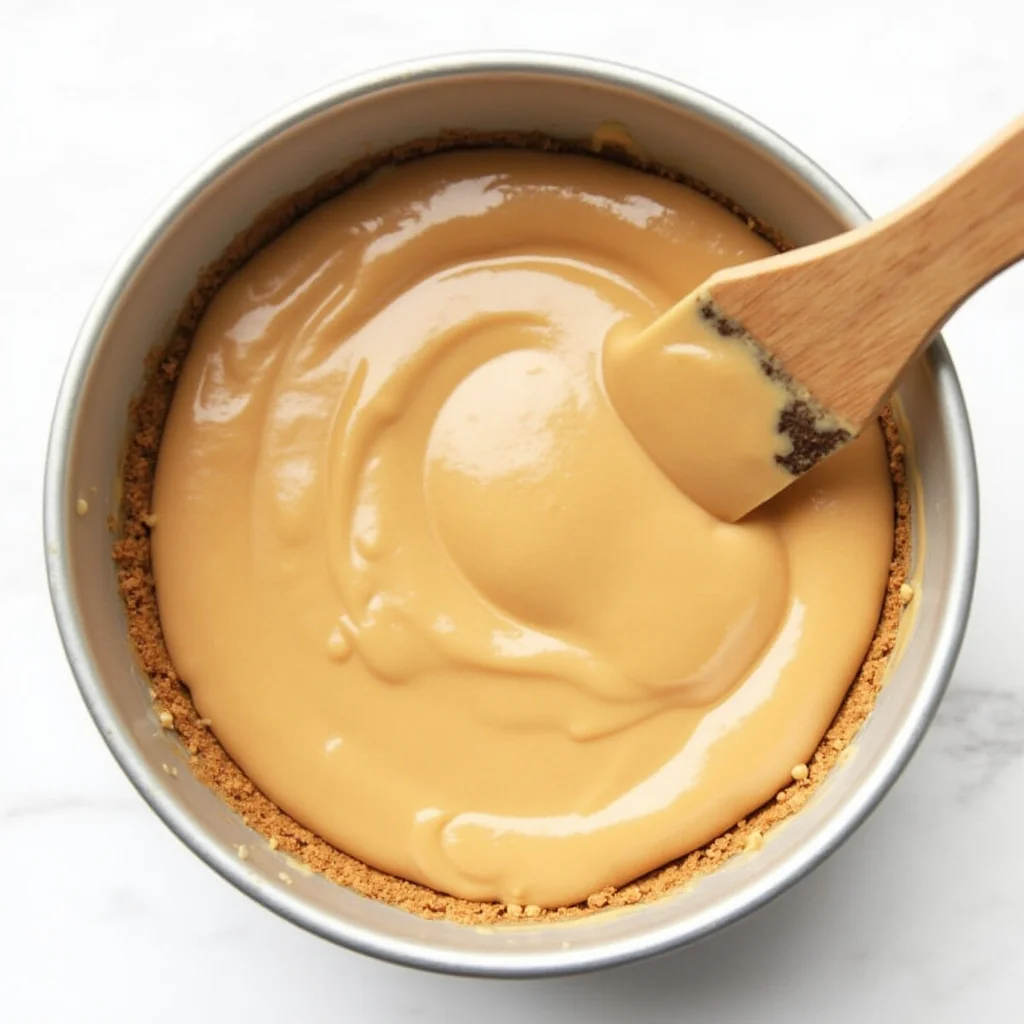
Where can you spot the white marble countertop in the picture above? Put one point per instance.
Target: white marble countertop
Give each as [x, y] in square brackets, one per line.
[105, 917]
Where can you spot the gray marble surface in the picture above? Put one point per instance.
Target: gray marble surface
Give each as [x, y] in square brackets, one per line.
[105, 917]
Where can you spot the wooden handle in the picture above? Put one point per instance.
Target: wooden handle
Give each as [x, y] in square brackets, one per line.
[844, 316]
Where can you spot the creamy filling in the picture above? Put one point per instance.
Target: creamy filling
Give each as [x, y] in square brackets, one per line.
[436, 599]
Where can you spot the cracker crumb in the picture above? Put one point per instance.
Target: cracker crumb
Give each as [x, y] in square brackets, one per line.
[170, 770]
[906, 593]
[513, 910]
[597, 900]
[800, 772]
[81, 506]
[166, 720]
[149, 518]
[272, 842]
[212, 765]
[532, 910]
[285, 877]
[782, 796]
[243, 852]
[755, 840]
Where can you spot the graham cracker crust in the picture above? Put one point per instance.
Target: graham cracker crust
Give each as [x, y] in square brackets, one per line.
[208, 760]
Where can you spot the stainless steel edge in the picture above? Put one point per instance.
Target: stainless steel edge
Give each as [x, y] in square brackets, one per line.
[58, 502]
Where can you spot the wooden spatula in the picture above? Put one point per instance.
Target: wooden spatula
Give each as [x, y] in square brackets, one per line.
[830, 326]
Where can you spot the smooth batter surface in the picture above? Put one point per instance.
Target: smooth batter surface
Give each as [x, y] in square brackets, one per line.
[437, 601]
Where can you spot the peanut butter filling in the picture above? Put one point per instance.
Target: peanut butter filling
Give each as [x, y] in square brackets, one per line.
[208, 759]
[431, 594]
